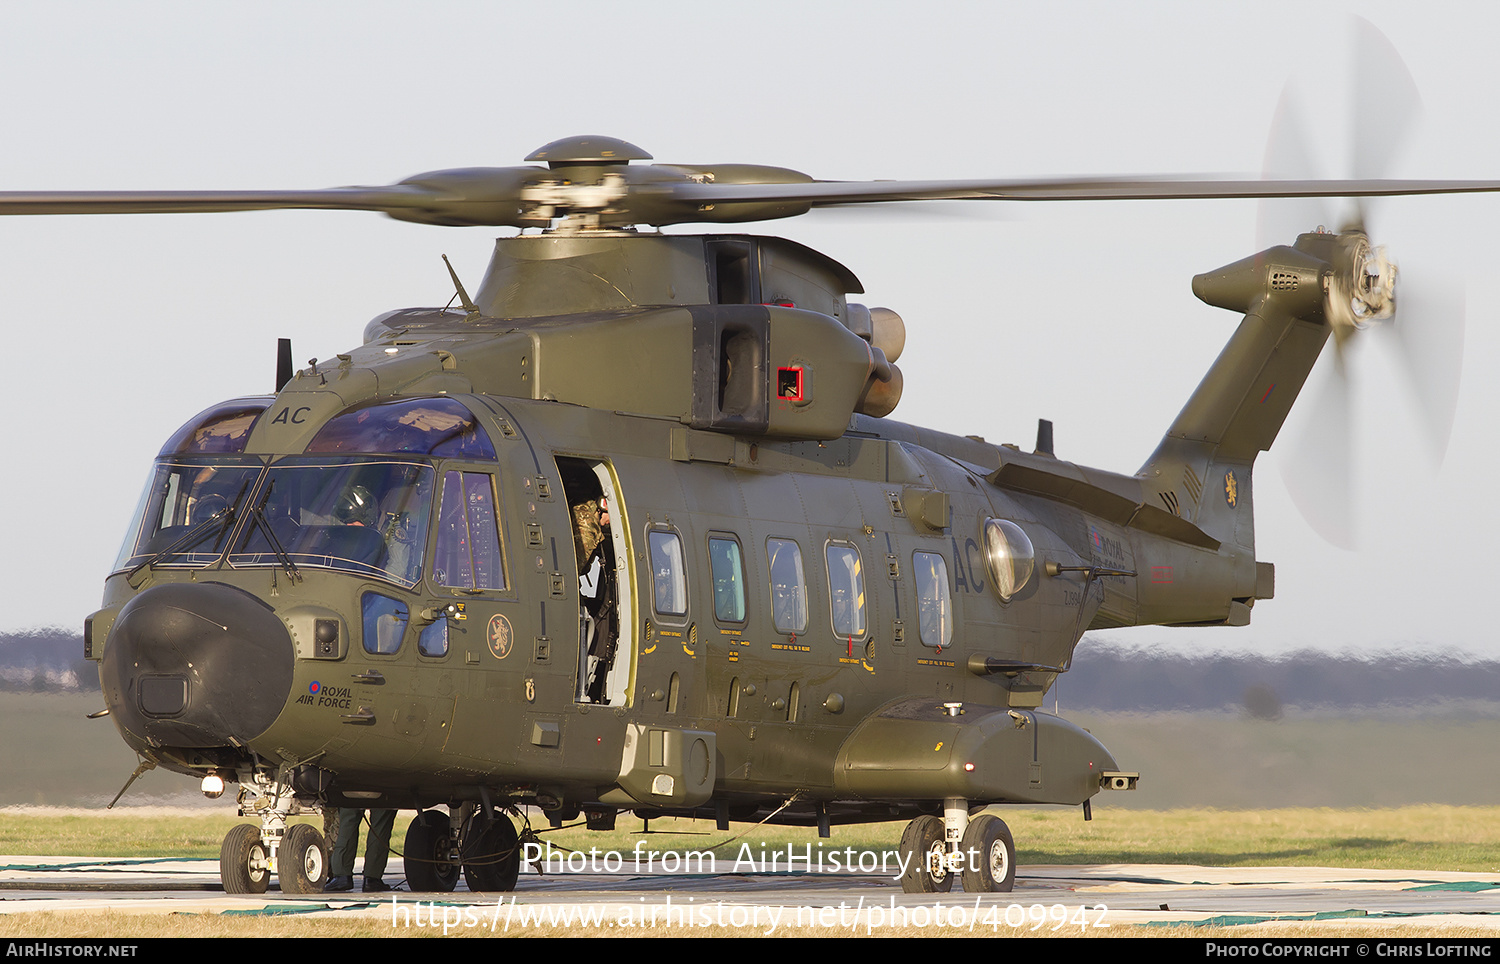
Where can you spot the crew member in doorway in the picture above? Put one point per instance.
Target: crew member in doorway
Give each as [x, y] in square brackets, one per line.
[596, 576]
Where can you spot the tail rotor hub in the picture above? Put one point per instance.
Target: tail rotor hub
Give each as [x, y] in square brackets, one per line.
[1366, 292]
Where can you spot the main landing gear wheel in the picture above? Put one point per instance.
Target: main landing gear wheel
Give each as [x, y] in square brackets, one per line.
[989, 856]
[926, 856]
[244, 863]
[301, 862]
[431, 862]
[491, 853]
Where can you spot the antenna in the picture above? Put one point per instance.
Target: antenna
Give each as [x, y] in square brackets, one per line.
[1044, 437]
[283, 363]
[463, 296]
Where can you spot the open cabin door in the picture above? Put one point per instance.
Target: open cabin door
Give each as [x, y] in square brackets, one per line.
[606, 627]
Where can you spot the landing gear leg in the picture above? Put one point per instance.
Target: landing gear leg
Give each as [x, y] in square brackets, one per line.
[979, 850]
[251, 854]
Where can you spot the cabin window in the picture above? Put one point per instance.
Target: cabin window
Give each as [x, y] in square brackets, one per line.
[668, 575]
[934, 599]
[468, 546]
[846, 590]
[384, 622]
[788, 588]
[729, 579]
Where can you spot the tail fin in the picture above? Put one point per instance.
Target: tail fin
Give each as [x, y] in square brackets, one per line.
[1202, 468]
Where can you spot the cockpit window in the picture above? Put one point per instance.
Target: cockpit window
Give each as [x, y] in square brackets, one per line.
[422, 426]
[362, 516]
[468, 543]
[186, 513]
[221, 429]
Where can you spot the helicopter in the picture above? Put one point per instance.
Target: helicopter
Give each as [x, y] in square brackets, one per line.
[632, 530]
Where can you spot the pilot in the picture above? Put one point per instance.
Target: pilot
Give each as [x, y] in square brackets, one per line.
[356, 507]
[396, 525]
[377, 851]
[211, 491]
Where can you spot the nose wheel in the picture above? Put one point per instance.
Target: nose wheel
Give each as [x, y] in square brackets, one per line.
[294, 853]
[244, 862]
[302, 861]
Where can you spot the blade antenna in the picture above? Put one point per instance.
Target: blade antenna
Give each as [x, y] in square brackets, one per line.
[461, 294]
[283, 363]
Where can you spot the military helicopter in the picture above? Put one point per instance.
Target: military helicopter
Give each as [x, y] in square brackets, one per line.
[632, 530]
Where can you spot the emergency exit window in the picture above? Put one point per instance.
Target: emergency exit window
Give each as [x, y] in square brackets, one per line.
[729, 579]
[934, 599]
[788, 588]
[846, 590]
[668, 574]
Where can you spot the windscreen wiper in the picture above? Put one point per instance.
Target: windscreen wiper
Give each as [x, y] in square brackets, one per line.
[258, 516]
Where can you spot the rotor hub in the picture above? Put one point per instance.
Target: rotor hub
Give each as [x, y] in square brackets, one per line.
[1367, 292]
[590, 149]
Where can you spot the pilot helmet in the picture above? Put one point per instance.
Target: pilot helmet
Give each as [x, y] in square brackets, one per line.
[356, 506]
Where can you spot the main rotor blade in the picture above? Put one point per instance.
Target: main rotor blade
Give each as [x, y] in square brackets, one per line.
[1077, 189]
[662, 194]
[188, 202]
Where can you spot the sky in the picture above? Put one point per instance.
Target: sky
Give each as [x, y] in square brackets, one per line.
[118, 329]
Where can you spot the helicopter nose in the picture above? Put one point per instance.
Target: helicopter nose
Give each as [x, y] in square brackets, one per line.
[197, 665]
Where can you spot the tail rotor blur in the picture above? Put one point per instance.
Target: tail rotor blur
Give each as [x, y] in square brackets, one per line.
[1424, 326]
